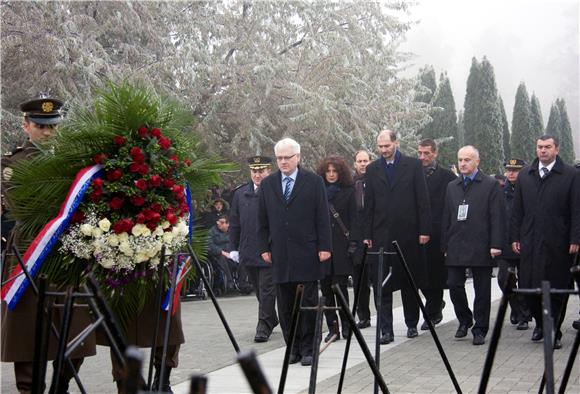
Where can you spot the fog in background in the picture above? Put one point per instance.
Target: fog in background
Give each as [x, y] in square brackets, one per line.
[525, 40]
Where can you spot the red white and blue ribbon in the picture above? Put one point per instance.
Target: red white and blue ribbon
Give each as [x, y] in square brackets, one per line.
[184, 267]
[41, 246]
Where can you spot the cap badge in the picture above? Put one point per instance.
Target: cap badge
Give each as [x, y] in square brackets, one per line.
[47, 106]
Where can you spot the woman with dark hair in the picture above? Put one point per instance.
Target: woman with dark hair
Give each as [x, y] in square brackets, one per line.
[342, 205]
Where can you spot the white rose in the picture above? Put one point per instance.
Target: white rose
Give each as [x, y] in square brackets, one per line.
[107, 263]
[87, 229]
[146, 232]
[167, 238]
[123, 237]
[165, 225]
[113, 240]
[125, 248]
[138, 229]
[141, 257]
[158, 231]
[97, 232]
[105, 225]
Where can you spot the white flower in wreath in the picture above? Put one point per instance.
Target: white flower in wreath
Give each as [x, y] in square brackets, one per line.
[141, 257]
[138, 229]
[123, 237]
[146, 232]
[168, 237]
[126, 249]
[158, 231]
[107, 263]
[105, 224]
[165, 225]
[97, 232]
[113, 240]
[86, 229]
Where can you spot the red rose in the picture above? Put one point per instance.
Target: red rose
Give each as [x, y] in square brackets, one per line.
[77, 217]
[141, 184]
[156, 132]
[96, 195]
[155, 217]
[119, 140]
[147, 213]
[177, 189]
[114, 175]
[164, 142]
[134, 167]
[137, 154]
[155, 180]
[97, 183]
[116, 202]
[155, 207]
[175, 159]
[187, 162]
[171, 218]
[99, 158]
[151, 226]
[123, 226]
[138, 201]
[180, 196]
[168, 183]
[142, 131]
[140, 218]
[143, 169]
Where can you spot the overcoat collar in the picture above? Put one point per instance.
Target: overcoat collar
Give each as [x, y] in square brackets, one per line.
[297, 186]
[400, 167]
[558, 167]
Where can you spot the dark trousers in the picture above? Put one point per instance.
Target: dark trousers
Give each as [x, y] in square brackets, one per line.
[261, 279]
[23, 371]
[558, 306]
[482, 303]
[520, 310]
[433, 302]
[363, 311]
[326, 287]
[286, 293]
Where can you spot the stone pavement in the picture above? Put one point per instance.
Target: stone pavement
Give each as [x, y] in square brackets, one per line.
[408, 366]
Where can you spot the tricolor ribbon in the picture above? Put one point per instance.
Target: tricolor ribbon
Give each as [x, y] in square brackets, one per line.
[41, 246]
[184, 268]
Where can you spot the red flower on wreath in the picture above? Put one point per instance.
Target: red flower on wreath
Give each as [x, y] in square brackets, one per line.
[141, 184]
[138, 201]
[164, 142]
[99, 158]
[156, 132]
[123, 226]
[155, 180]
[114, 174]
[116, 203]
[119, 140]
[143, 131]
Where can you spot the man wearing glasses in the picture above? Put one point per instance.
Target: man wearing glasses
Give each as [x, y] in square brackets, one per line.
[294, 236]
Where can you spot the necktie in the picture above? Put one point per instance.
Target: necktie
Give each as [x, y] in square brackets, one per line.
[545, 171]
[287, 188]
[466, 182]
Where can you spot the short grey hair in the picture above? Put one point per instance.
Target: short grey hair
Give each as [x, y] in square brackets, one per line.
[287, 143]
[472, 148]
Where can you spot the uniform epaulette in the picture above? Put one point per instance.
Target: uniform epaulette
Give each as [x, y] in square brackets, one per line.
[18, 149]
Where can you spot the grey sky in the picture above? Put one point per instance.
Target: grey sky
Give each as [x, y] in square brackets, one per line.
[532, 41]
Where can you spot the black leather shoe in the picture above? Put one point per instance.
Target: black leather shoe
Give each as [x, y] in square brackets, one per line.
[576, 324]
[363, 324]
[261, 337]
[330, 334]
[461, 331]
[538, 334]
[513, 318]
[387, 338]
[294, 358]
[412, 332]
[345, 332]
[439, 317]
[306, 360]
[522, 326]
[478, 339]
[557, 344]
[425, 326]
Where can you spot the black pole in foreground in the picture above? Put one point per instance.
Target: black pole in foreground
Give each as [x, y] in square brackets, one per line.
[213, 299]
[198, 384]
[254, 374]
[173, 283]
[134, 357]
[574, 352]
[291, 335]
[354, 309]
[503, 304]
[428, 320]
[161, 275]
[365, 349]
[41, 336]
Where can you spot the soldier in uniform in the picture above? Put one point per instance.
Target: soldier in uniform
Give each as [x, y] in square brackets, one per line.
[41, 117]
[244, 246]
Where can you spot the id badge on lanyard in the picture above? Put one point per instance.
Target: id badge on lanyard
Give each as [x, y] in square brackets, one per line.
[462, 211]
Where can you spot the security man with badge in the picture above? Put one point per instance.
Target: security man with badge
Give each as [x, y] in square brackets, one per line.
[41, 118]
[244, 245]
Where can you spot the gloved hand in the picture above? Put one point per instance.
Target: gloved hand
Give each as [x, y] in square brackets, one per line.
[235, 255]
[352, 247]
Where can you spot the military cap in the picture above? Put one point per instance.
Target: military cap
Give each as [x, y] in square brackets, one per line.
[514, 164]
[43, 110]
[259, 162]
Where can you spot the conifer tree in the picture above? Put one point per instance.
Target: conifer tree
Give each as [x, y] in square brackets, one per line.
[460, 130]
[482, 118]
[536, 121]
[443, 128]
[566, 142]
[523, 142]
[553, 127]
[426, 84]
[505, 130]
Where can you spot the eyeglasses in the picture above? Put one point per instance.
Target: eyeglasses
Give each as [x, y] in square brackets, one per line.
[285, 158]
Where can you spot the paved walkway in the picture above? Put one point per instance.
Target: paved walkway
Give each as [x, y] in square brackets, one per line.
[408, 365]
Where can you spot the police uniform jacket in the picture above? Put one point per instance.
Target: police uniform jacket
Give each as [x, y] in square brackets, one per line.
[508, 193]
[546, 220]
[468, 242]
[244, 226]
[437, 180]
[398, 209]
[294, 231]
[345, 205]
[18, 326]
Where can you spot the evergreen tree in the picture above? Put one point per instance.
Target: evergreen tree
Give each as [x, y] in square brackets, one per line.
[426, 85]
[505, 130]
[460, 130]
[536, 121]
[523, 141]
[443, 128]
[553, 127]
[566, 142]
[482, 117]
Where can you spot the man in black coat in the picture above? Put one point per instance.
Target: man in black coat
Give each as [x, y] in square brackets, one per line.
[437, 178]
[294, 235]
[472, 234]
[520, 313]
[545, 227]
[244, 246]
[397, 208]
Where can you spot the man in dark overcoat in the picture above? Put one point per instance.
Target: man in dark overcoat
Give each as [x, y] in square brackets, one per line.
[545, 227]
[437, 178]
[244, 246]
[41, 118]
[294, 236]
[397, 208]
[472, 235]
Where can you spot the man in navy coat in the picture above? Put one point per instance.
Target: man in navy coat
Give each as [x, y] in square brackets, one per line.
[294, 235]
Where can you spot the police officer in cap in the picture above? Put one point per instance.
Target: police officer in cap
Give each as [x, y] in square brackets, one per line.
[520, 314]
[244, 245]
[41, 117]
